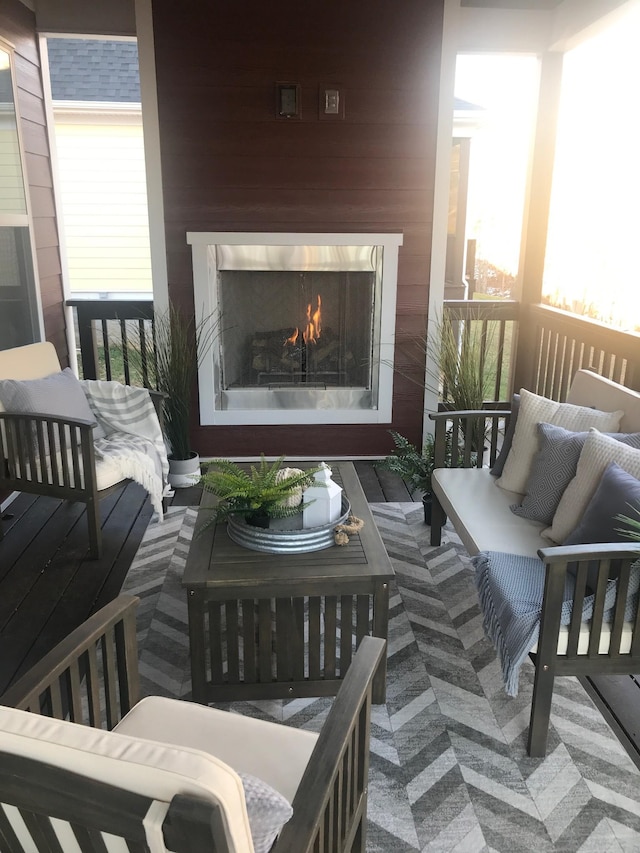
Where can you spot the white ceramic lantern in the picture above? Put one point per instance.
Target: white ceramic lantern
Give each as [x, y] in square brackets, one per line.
[324, 498]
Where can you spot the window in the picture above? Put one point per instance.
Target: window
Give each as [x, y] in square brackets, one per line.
[591, 265]
[19, 320]
[496, 100]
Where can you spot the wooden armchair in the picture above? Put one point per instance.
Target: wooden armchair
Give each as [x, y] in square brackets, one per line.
[66, 780]
[26, 462]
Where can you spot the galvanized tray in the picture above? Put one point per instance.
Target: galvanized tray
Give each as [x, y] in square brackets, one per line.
[295, 541]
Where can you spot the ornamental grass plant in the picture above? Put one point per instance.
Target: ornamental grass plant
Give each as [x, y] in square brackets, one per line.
[180, 345]
[631, 529]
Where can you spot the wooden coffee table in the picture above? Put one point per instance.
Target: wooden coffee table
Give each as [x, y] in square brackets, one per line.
[266, 626]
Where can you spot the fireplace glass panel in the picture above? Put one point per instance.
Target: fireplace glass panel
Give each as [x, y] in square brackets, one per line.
[296, 329]
[305, 326]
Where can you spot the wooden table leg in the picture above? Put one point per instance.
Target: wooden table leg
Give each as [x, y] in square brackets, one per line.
[195, 608]
[380, 629]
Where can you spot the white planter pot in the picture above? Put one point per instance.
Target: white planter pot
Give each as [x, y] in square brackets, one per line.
[184, 472]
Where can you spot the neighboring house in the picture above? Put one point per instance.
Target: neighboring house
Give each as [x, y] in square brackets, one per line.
[100, 165]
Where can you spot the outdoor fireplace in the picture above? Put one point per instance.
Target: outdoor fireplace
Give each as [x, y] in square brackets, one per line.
[306, 326]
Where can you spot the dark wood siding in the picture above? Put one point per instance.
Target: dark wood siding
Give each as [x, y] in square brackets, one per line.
[17, 26]
[229, 164]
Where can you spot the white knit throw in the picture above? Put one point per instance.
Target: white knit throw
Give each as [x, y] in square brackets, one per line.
[133, 438]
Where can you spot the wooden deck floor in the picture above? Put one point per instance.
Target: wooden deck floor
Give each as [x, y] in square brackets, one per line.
[48, 586]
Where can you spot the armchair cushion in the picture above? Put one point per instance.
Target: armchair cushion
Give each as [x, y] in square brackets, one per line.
[269, 757]
[535, 409]
[156, 770]
[275, 753]
[59, 394]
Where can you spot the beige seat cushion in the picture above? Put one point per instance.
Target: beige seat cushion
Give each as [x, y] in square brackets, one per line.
[275, 753]
[479, 511]
[107, 471]
[585, 636]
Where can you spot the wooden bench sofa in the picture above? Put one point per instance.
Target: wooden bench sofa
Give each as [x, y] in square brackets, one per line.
[168, 775]
[481, 513]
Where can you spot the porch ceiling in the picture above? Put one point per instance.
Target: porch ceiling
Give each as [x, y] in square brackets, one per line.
[512, 4]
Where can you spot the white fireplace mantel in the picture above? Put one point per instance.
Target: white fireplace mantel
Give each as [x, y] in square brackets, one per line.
[287, 406]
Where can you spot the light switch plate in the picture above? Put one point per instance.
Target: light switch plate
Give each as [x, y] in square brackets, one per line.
[330, 101]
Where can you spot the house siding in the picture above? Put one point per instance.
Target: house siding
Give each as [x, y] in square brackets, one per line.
[229, 164]
[17, 26]
[103, 197]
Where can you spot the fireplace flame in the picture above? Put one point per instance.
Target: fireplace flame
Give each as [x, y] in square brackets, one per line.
[313, 329]
[314, 322]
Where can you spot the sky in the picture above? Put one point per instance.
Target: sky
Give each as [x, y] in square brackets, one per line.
[506, 88]
[591, 264]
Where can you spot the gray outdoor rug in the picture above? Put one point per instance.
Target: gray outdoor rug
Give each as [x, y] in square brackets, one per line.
[449, 770]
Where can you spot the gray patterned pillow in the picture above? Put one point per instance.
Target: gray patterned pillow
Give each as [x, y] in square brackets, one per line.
[267, 809]
[59, 395]
[553, 468]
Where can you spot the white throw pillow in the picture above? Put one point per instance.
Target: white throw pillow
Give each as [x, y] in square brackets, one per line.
[598, 451]
[534, 410]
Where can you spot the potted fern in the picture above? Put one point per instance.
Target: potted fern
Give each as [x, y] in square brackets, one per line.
[258, 494]
[416, 466]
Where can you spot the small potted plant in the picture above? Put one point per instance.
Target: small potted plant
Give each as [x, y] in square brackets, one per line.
[180, 345]
[258, 494]
[415, 466]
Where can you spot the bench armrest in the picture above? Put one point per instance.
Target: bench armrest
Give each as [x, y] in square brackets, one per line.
[91, 676]
[593, 566]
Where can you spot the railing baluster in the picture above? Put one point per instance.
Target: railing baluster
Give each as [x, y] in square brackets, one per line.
[124, 338]
[106, 347]
[97, 321]
[144, 362]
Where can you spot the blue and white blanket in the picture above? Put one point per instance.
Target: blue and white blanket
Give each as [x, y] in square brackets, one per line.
[510, 588]
[133, 438]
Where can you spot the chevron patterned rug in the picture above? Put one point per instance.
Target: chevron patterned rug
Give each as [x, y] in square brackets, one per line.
[449, 769]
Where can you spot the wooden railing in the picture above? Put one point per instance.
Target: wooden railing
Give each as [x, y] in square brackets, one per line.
[491, 327]
[540, 348]
[553, 344]
[115, 339]
[522, 346]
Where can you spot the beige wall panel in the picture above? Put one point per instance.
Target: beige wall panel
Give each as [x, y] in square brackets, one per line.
[104, 204]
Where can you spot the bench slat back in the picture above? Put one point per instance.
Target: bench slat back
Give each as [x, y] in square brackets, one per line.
[590, 389]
